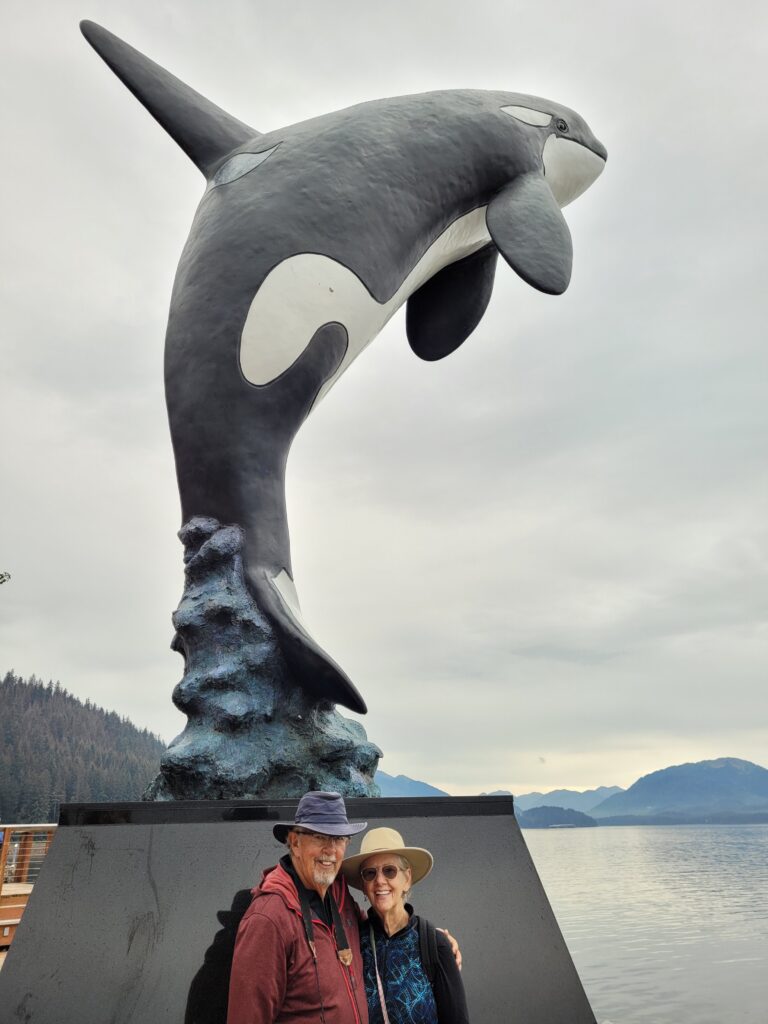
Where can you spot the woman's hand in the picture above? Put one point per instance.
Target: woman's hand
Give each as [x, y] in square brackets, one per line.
[454, 946]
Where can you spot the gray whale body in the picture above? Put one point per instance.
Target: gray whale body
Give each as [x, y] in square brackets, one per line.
[306, 241]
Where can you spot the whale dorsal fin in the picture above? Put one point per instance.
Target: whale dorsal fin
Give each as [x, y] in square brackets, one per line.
[526, 224]
[204, 131]
[446, 309]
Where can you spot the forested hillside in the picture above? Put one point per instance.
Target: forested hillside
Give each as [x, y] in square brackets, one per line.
[55, 749]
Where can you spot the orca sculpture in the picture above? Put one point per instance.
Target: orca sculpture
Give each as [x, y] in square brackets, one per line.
[306, 241]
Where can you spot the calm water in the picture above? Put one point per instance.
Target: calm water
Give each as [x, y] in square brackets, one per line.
[666, 925]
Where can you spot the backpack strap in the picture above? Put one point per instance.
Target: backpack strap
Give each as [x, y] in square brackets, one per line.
[428, 948]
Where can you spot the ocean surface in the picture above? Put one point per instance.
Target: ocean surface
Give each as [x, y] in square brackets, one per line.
[666, 924]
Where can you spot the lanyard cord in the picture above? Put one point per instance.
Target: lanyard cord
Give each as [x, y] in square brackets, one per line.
[378, 976]
[309, 931]
[343, 951]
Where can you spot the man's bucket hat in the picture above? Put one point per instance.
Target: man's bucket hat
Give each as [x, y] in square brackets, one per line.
[387, 840]
[320, 812]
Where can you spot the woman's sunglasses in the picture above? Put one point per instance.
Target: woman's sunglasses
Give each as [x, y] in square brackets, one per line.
[369, 874]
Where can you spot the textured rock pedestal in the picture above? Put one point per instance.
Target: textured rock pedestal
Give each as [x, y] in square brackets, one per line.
[252, 733]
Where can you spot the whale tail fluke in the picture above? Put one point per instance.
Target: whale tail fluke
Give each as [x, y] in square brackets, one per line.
[204, 131]
[315, 670]
[251, 617]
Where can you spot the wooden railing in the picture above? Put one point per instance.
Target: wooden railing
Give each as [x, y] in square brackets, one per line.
[22, 852]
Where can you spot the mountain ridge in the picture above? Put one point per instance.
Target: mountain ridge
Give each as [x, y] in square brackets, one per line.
[724, 790]
[725, 785]
[569, 799]
[402, 785]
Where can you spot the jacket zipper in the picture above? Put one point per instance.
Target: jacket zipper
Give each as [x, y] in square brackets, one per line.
[350, 988]
[343, 970]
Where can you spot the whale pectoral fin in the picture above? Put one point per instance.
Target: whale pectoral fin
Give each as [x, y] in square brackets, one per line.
[446, 309]
[528, 228]
[315, 671]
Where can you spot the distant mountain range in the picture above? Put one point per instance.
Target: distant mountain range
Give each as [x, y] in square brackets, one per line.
[570, 799]
[401, 785]
[727, 789]
[703, 790]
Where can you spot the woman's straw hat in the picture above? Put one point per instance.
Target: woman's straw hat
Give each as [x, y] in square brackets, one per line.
[387, 840]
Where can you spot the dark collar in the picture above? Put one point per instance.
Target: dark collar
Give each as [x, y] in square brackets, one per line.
[378, 927]
[326, 911]
[321, 909]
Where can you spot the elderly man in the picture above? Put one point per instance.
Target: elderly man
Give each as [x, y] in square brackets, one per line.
[297, 954]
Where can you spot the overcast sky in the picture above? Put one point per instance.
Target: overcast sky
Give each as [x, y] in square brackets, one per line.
[544, 560]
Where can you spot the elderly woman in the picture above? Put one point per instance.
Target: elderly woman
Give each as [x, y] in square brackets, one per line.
[410, 973]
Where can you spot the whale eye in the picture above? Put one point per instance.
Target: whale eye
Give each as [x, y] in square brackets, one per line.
[561, 125]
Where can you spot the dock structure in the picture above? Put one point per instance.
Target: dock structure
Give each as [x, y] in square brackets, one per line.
[22, 852]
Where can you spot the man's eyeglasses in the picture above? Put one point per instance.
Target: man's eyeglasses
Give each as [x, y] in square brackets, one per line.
[369, 874]
[322, 840]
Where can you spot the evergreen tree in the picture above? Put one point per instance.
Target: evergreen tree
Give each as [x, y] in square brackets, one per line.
[55, 748]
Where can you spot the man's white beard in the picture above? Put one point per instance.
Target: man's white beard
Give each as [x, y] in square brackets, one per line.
[324, 876]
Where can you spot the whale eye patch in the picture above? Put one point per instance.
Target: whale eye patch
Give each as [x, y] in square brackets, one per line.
[238, 166]
[561, 125]
[528, 115]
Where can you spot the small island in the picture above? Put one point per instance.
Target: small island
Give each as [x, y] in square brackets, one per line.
[553, 817]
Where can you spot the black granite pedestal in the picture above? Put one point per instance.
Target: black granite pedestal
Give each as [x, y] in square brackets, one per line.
[134, 915]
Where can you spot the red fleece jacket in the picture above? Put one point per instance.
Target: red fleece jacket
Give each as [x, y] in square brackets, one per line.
[274, 980]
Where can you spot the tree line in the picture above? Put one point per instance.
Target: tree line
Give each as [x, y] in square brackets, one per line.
[56, 749]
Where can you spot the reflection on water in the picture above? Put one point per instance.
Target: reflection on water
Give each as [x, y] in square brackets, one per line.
[667, 924]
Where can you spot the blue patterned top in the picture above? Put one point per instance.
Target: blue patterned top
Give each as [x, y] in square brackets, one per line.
[407, 991]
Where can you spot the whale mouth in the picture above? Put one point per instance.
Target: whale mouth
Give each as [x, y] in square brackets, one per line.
[570, 167]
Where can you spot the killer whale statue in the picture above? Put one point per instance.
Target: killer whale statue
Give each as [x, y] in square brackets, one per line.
[306, 241]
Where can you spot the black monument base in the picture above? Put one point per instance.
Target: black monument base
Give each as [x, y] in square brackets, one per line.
[134, 914]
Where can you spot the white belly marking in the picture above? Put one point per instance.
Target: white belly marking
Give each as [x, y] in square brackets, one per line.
[306, 291]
